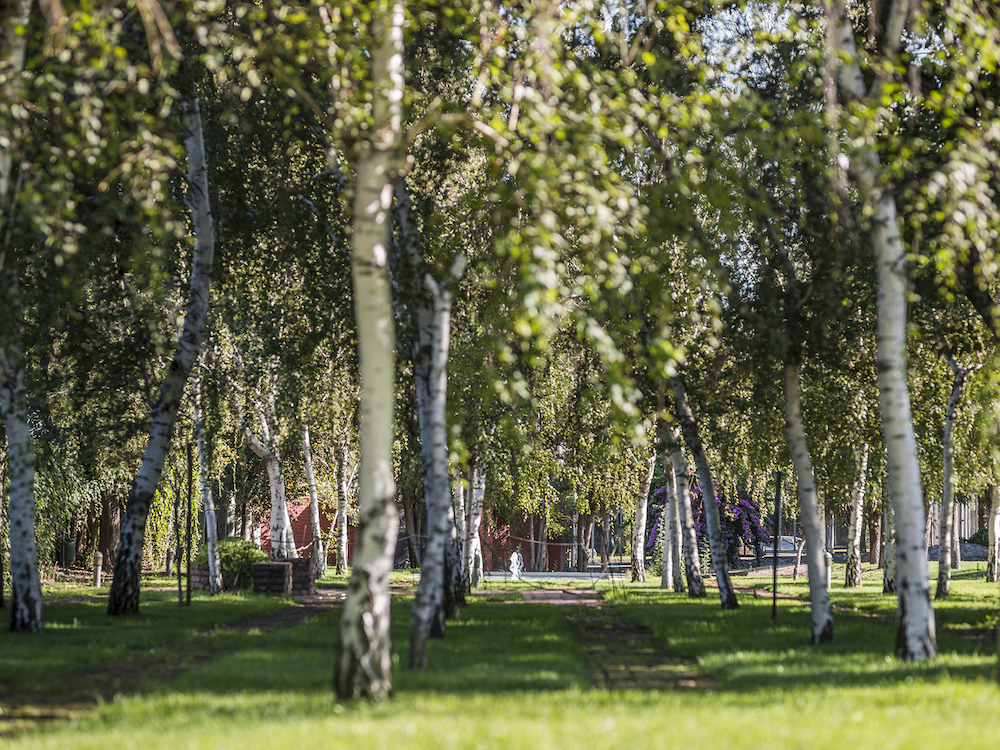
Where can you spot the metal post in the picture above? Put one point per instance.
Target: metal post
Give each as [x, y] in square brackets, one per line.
[777, 540]
[188, 540]
[828, 559]
[98, 562]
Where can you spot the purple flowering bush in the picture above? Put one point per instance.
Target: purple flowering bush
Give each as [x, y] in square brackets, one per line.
[741, 520]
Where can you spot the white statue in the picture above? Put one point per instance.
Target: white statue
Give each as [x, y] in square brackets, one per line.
[516, 565]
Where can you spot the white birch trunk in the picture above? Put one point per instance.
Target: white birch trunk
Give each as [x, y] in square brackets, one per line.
[666, 530]
[341, 518]
[678, 467]
[473, 543]
[460, 532]
[812, 517]
[26, 591]
[124, 597]
[364, 666]
[211, 520]
[993, 532]
[639, 524]
[713, 522]
[889, 563]
[855, 527]
[915, 635]
[282, 540]
[318, 553]
[442, 563]
[956, 531]
[677, 539]
[948, 536]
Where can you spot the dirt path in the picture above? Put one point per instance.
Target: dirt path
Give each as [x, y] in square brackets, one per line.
[621, 653]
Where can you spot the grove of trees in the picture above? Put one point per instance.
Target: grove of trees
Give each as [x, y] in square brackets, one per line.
[429, 263]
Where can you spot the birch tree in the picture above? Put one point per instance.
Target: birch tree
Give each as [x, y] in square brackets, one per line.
[993, 535]
[211, 520]
[364, 664]
[26, 594]
[855, 525]
[916, 639]
[689, 428]
[638, 561]
[948, 476]
[318, 554]
[124, 596]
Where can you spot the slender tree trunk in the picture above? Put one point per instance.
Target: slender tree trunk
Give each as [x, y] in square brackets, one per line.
[676, 533]
[639, 526]
[667, 543]
[956, 532]
[282, 540]
[318, 553]
[583, 554]
[889, 563]
[856, 525]
[459, 531]
[812, 519]
[543, 539]
[412, 540]
[124, 597]
[454, 588]
[342, 491]
[364, 665]
[947, 537]
[993, 533]
[211, 528]
[430, 373]
[473, 543]
[26, 591]
[713, 522]
[915, 635]
[874, 536]
[692, 561]
[605, 535]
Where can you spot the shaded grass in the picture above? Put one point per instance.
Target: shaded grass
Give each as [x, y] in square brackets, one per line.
[79, 636]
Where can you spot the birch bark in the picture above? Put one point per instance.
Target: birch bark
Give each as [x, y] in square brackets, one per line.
[430, 373]
[812, 518]
[713, 522]
[342, 491]
[855, 527]
[670, 438]
[26, 592]
[266, 447]
[889, 563]
[639, 525]
[666, 530]
[947, 537]
[211, 525]
[473, 543]
[915, 634]
[318, 553]
[677, 543]
[993, 534]
[364, 666]
[124, 597]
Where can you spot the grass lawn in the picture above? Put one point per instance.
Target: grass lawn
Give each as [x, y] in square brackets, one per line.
[512, 674]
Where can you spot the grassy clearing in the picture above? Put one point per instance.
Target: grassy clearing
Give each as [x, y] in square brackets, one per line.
[511, 675]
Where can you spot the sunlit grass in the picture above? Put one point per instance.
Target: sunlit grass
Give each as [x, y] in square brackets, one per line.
[513, 675]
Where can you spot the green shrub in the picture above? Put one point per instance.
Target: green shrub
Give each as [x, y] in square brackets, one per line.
[237, 557]
[981, 537]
